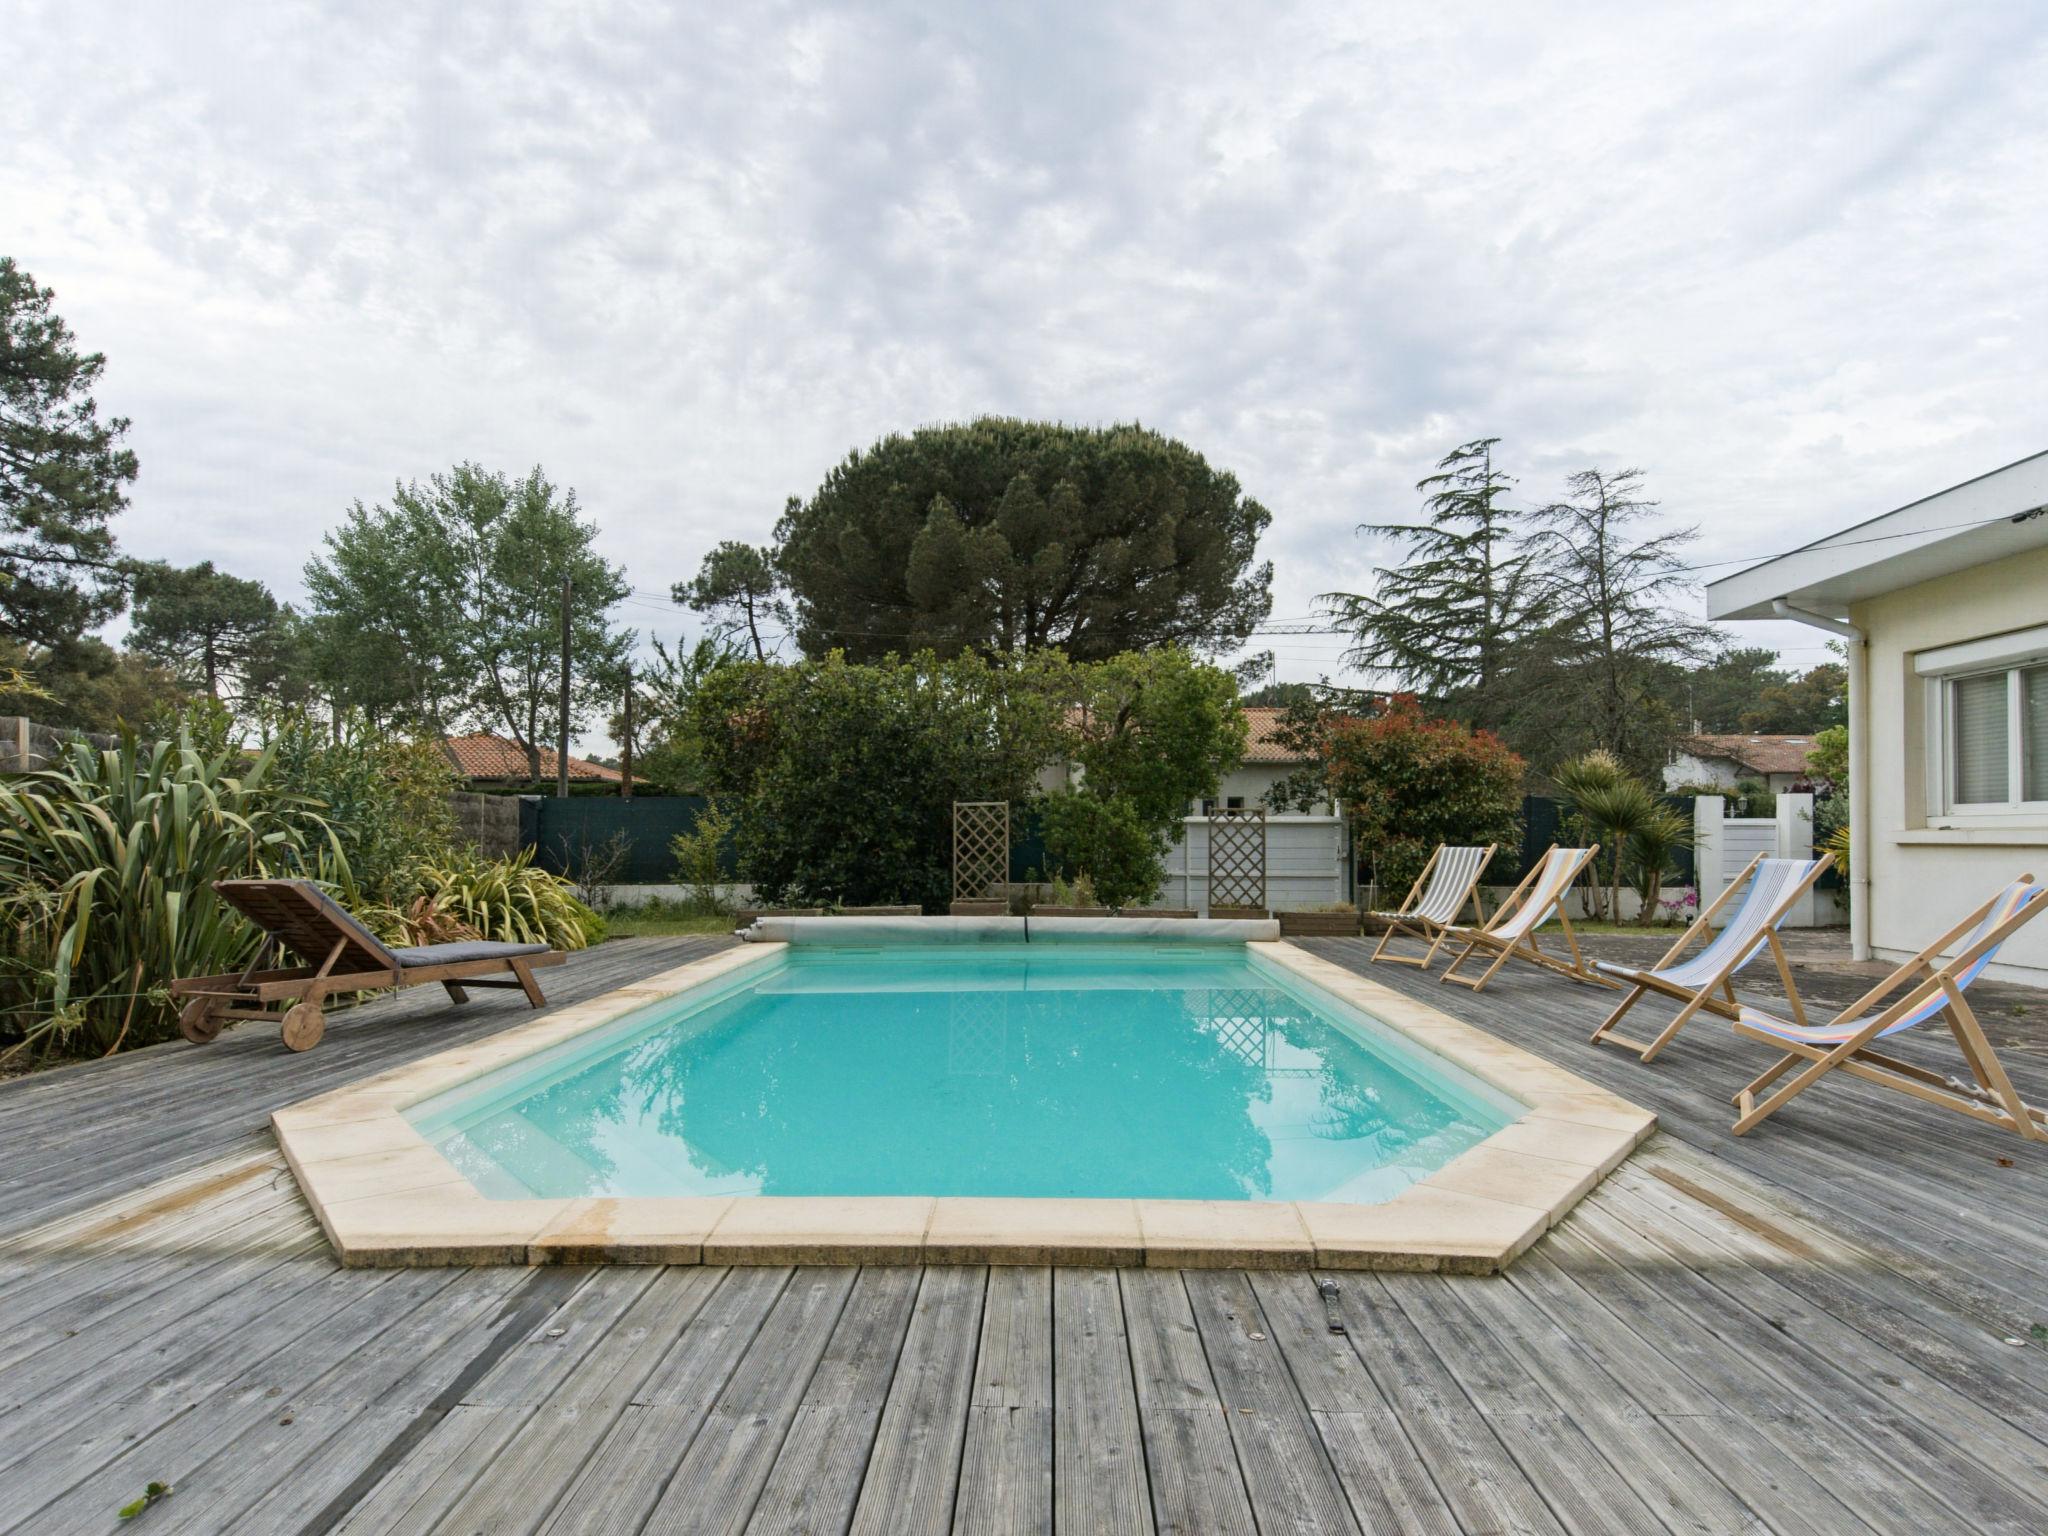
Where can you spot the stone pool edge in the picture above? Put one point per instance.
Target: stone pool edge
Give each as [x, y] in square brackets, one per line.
[386, 1198]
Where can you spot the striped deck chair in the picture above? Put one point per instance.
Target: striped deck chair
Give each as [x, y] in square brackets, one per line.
[1452, 877]
[1511, 935]
[1769, 889]
[1845, 1042]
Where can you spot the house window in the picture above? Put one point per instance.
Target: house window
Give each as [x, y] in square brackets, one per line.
[1995, 740]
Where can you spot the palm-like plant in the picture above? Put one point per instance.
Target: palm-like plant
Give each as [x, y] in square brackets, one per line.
[107, 864]
[1617, 813]
[1590, 775]
[1651, 851]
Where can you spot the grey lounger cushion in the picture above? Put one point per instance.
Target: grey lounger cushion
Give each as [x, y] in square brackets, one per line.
[467, 949]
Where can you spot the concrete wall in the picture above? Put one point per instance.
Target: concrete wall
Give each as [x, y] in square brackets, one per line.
[1926, 871]
[26, 746]
[489, 823]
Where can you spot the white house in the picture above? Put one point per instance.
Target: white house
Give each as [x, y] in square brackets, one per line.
[1776, 762]
[1944, 603]
[1266, 763]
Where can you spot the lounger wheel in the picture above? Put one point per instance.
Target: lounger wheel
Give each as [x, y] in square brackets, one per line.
[304, 1024]
[197, 1023]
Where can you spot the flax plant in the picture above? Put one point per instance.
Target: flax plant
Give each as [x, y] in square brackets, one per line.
[107, 860]
[509, 900]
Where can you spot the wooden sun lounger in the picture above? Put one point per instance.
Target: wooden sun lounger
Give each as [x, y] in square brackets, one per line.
[1768, 888]
[1511, 934]
[1845, 1042]
[1436, 901]
[336, 954]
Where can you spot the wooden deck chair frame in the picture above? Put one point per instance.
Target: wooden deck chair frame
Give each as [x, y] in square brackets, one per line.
[1994, 1100]
[340, 956]
[1504, 950]
[1701, 999]
[1409, 923]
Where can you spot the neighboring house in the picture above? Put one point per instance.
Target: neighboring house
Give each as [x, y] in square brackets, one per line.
[490, 761]
[1265, 763]
[1945, 605]
[1776, 762]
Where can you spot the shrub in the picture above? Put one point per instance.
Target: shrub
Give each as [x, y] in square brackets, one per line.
[842, 778]
[1409, 783]
[700, 859]
[509, 900]
[1101, 842]
[382, 804]
[107, 863]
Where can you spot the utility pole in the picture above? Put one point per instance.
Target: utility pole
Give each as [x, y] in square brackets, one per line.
[626, 747]
[562, 738]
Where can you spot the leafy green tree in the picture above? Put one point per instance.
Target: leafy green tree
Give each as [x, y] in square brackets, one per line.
[841, 776]
[1000, 536]
[1408, 782]
[1156, 728]
[1150, 733]
[1717, 692]
[1589, 682]
[86, 684]
[63, 473]
[738, 586]
[1814, 700]
[446, 606]
[202, 623]
[667, 753]
[1446, 621]
[1278, 695]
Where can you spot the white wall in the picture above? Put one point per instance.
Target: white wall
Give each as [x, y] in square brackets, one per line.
[1684, 768]
[1925, 876]
[1304, 864]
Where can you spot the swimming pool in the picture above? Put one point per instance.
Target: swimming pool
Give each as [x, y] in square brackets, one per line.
[1043, 1070]
[1209, 1062]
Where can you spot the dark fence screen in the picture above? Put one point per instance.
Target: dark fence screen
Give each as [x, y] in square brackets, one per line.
[1543, 825]
[565, 834]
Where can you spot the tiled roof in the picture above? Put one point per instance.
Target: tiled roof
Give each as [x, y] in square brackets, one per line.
[1261, 745]
[1759, 754]
[486, 755]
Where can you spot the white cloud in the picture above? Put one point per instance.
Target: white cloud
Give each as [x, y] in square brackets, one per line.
[1785, 261]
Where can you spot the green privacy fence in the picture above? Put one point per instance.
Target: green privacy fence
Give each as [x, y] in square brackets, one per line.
[566, 834]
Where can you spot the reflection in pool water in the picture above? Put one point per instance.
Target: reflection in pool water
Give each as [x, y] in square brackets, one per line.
[1047, 1071]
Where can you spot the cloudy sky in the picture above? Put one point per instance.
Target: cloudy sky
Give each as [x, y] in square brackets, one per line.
[1786, 259]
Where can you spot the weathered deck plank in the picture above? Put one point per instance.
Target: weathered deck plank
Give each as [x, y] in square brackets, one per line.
[1799, 1331]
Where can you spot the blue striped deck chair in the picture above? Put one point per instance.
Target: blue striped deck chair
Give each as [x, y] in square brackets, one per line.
[1932, 990]
[1511, 935]
[1769, 889]
[1448, 882]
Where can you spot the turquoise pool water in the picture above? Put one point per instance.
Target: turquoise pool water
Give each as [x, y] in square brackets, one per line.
[1040, 1069]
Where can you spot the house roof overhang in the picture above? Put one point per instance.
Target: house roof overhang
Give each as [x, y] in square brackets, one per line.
[1994, 516]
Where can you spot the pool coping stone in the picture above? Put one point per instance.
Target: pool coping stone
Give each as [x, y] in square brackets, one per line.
[386, 1198]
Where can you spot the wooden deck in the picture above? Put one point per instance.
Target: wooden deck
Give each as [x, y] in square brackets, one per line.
[1802, 1331]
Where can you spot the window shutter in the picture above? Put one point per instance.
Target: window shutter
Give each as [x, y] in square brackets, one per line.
[1980, 709]
[2034, 731]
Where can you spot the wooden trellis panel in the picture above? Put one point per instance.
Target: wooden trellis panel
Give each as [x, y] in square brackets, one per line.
[1237, 858]
[981, 848]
